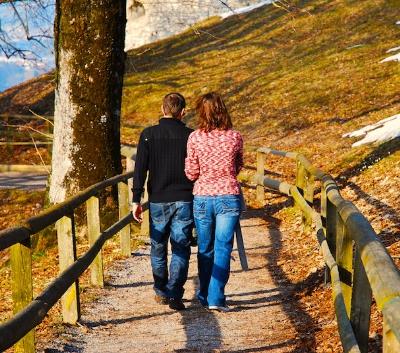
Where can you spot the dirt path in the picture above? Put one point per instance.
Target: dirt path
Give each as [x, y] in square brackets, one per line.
[126, 319]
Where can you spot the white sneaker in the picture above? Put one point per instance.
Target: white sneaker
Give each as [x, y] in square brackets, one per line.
[221, 308]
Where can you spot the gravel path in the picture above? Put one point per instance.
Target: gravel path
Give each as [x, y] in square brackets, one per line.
[125, 318]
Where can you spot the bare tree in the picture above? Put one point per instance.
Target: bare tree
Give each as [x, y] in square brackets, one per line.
[26, 27]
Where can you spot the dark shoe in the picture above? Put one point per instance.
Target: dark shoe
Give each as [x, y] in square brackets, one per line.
[176, 304]
[161, 300]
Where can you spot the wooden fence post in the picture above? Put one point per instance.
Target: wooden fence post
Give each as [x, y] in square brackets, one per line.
[93, 224]
[22, 292]
[67, 255]
[309, 188]
[331, 225]
[130, 166]
[344, 260]
[324, 206]
[260, 192]
[145, 226]
[300, 177]
[390, 342]
[360, 304]
[301, 184]
[125, 233]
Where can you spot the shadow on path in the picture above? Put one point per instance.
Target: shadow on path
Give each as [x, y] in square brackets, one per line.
[288, 292]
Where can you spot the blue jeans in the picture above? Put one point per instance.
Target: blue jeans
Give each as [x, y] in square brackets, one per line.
[216, 218]
[172, 220]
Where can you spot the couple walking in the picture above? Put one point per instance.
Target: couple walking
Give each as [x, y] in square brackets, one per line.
[174, 157]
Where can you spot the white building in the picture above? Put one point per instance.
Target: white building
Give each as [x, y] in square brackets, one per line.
[151, 20]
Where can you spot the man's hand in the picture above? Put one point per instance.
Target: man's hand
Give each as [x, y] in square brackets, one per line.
[137, 212]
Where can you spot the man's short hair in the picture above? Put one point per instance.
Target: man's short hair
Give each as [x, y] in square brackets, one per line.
[173, 104]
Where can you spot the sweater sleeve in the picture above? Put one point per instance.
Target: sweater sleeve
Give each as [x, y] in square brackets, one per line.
[239, 155]
[192, 166]
[141, 168]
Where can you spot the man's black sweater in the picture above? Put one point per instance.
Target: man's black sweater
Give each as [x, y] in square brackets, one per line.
[162, 152]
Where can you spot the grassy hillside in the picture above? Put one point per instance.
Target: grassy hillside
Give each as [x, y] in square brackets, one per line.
[36, 94]
[293, 80]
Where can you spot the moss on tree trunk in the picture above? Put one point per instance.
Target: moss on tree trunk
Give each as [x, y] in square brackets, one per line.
[89, 47]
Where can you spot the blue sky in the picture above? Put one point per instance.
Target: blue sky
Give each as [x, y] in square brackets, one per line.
[38, 23]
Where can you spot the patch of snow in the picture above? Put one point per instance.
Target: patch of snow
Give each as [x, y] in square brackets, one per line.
[382, 131]
[395, 57]
[246, 9]
[355, 46]
[393, 49]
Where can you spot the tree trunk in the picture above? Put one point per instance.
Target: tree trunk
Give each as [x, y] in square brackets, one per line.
[89, 47]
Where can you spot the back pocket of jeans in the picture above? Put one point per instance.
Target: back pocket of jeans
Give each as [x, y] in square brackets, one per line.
[230, 207]
[157, 213]
[199, 209]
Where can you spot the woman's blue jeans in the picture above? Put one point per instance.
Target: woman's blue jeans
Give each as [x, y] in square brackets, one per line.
[216, 218]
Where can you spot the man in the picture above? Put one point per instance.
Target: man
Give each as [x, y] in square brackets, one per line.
[161, 152]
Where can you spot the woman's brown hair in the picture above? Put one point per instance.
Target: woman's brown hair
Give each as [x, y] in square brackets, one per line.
[212, 113]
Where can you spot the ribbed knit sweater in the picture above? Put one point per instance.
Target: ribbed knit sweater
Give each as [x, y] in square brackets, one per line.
[161, 152]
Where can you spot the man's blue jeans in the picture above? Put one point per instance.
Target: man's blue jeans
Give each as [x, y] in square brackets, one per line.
[172, 220]
[216, 218]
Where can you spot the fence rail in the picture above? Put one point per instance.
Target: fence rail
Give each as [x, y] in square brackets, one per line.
[30, 313]
[358, 264]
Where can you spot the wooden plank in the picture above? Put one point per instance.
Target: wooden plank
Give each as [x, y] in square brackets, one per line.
[22, 292]
[67, 256]
[309, 197]
[331, 224]
[12, 330]
[300, 177]
[360, 304]
[260, 192]
[344, 259]
[130, 166]
[125, 233]
[390, 342]
[324, 199]
[309, 189]
[93, 223]
[6, 117]
[301, 184]
[26, 143]
[52, 214]
[145, 226]
[241, 248]
[21, 168]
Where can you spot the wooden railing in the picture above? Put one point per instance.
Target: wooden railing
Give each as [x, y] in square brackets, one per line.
[29, 313]
[356, 260]
[358, 264]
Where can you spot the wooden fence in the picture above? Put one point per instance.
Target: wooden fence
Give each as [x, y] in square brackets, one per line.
[358, 265]
[19, 330]
[29, 313]
[357, 262]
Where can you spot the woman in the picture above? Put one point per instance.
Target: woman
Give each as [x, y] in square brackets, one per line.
[214, 158]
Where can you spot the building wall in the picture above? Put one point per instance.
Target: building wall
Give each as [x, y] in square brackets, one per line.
[151, 20]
